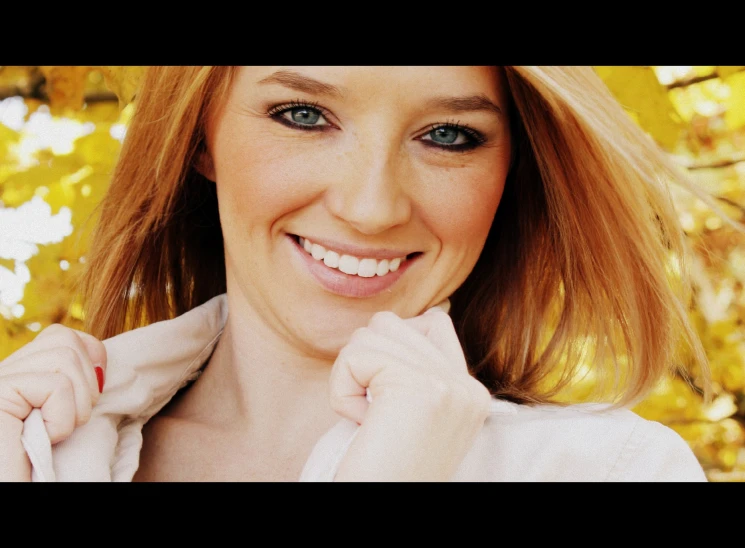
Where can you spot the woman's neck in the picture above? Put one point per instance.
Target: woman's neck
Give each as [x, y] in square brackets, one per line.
[257, 383]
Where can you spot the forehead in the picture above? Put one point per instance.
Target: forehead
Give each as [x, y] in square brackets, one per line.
[350, 82]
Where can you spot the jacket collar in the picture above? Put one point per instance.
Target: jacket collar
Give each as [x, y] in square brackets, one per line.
[145, 368]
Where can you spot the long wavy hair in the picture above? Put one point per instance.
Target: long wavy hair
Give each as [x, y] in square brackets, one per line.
[584, 266]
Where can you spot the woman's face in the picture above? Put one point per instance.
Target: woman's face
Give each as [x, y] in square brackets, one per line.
[389, 176]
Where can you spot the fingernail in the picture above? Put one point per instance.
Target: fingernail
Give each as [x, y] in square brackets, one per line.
[99, 376]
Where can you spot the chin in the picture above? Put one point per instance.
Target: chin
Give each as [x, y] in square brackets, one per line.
[328, 345]
[327, 336]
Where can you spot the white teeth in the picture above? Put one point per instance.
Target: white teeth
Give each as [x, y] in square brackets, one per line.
[368, 268]
[318, 252]
[331, 259]
[349, 264]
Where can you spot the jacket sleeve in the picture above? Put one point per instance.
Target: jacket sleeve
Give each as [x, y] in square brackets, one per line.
[657, 453]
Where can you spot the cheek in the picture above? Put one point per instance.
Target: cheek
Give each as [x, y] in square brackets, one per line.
[462, 211]
[264, 179]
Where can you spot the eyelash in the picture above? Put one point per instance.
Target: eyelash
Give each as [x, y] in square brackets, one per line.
[475, 139]
[276, 113]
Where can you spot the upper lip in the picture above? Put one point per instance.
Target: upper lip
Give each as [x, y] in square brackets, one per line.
[358, 251]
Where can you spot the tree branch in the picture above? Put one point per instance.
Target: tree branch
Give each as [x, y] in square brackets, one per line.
[714, 165]
[733, 204]
[690, 81]
[38, 94]
[694, 80]
[31, 90]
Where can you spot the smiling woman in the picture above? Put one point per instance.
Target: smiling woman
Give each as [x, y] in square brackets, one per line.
[359, 170]
[409, 257]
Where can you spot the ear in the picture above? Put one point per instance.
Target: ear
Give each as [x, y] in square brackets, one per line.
[204, 164]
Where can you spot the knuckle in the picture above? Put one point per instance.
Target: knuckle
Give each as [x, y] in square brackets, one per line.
[54, 330]
[83, 415]
[335, 403]
[64, 384]
[69, 355]
[61, 430]
[339, 361]
[65, 335]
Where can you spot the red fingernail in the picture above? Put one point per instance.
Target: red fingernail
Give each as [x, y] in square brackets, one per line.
[99, 376]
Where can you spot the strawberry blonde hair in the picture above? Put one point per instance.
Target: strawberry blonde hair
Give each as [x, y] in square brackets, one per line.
[577, 268]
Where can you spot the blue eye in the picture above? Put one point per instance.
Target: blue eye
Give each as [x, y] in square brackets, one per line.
[304, 115]
[445, 135]
[299, 115]
[453, 137]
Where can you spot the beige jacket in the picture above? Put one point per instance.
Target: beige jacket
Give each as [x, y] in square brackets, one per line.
[147, 366]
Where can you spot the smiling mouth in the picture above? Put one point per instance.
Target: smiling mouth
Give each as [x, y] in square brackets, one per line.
[365, 267]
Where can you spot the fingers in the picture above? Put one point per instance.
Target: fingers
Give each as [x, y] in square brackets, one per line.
[66, 362]
[416, 355]
[426, 408]
[437, 327]
[56, 334]
[51, 393]
[350, 377]
[61, 372]
[394, 328]
[91, 353]
[431, 334]
[359, 364]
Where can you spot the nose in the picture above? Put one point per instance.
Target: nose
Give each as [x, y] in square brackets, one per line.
[370, 194]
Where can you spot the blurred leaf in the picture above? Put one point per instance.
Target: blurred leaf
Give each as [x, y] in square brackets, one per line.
[725, 71]
[98, 149]
[65, 86]
[103, 114]
[123, 80]
[16, 76]
[639, 91]
[46, 297]
[735, 105]
[22, 186]
[673, 400]
[8, 138]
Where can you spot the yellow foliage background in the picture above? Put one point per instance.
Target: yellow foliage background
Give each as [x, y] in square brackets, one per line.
[696, 114]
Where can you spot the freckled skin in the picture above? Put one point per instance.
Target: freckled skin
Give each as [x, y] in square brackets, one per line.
[369, 181]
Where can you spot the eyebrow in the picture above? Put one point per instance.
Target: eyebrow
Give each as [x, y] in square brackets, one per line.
[463, 104]
[300, 82]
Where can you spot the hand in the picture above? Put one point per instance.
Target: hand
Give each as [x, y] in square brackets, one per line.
[425, 408]
[61, 372]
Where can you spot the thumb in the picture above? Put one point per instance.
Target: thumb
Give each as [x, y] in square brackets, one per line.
[438, 328]
[94, 347]
[96, 351]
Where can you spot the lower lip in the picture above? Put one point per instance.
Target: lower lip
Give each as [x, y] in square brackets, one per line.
[347, 285]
